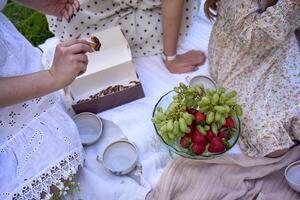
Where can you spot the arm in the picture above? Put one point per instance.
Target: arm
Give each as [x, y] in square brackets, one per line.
[59, 8]
[69, 61]
[22, 88]
[171, 21]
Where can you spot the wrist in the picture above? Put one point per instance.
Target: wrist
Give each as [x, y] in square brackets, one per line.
[54, 82]
[169, 57]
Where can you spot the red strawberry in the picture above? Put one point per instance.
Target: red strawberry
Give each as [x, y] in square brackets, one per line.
[210, 135]
[185, 141]
[216, 145]
[200, 117]
[198, 149]
[229, 123]
[198, 138]
[191, 111]
[224, 134]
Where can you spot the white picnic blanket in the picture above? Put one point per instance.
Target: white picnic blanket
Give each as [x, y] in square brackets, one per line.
[134, 119]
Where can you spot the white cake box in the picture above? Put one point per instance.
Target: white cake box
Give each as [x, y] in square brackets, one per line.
[111, 66]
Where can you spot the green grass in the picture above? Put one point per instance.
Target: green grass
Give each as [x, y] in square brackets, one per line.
[31, 24]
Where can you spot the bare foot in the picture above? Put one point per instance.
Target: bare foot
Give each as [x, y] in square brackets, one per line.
[186, 62]
[278, 153]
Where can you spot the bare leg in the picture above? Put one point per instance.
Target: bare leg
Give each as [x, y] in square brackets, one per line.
[171, 19]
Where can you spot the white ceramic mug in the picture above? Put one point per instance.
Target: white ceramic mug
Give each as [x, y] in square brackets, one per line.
[90, 127]
[119, 158]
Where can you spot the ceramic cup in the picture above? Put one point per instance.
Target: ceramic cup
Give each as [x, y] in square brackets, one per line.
[292, 175]
[90, 127]
[207, 82]
[120, 157]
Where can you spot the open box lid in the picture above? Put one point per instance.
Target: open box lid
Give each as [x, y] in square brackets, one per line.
[114, 51]
[110, 66]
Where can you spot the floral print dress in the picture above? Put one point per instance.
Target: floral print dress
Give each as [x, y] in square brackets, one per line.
[257, 54]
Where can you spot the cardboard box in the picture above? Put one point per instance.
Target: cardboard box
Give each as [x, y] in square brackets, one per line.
[110, 66]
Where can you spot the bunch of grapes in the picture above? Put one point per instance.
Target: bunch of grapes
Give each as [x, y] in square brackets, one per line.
[173, 123]
[188, 96]
[217, 105]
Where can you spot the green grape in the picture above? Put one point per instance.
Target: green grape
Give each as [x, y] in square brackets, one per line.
[214, 128]
[202, 130]
[176, 127]
[199, 90]
[171, 135]
[215, 99]
[222, 98]
[223, 121]
[170, 125]
[210, 117]
[220, 109]
[218, 117]
[221, 90]
[176, 89]
[211, 92]
[227, 108]
[182, 125]
[158, 125]
[230, 102]
[182, 85]
[231, 94]
[207, 128]
[205, 100]
[239, 110]
[204, 109]
[164, 128]
[202, 104]
[188, 118]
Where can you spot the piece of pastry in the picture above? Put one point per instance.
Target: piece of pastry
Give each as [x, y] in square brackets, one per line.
[95, 44]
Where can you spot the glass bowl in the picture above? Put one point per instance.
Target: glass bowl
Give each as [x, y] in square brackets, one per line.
[164, 103]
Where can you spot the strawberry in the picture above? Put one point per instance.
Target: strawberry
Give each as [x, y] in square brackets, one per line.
[210, 135]
[185, 141]
[229, 123]
[191, 111]
[198, 138]
[198, 149]
[200, 117]
[224, 134]
[216, 145]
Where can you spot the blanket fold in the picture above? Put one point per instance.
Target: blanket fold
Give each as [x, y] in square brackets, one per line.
[227, 178]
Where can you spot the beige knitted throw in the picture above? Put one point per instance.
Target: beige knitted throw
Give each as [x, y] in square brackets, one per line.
[226, 178]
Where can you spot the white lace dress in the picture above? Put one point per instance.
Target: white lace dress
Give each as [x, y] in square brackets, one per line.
[39, 143]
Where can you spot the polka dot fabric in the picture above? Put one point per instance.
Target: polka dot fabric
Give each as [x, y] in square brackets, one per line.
[257, 55]
[140, 20]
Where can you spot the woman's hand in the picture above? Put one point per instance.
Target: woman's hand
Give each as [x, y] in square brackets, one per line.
[186, 62]
[69, 61]
[59, 8]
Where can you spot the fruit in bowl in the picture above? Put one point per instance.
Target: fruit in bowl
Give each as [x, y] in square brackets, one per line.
[196, 122]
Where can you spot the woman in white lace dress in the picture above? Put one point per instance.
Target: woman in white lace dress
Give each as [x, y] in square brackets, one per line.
[39, 143]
